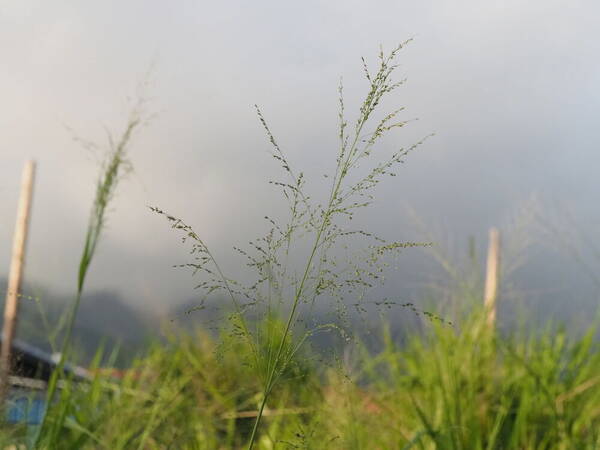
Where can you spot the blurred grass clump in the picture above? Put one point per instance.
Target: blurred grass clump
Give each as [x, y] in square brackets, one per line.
[451, 387]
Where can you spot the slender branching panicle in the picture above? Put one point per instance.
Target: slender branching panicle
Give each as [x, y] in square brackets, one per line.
[318, 233]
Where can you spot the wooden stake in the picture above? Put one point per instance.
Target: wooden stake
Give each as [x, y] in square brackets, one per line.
[491, 278]
[11, 308]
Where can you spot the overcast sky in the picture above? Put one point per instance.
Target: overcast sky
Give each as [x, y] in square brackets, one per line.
[511, 89]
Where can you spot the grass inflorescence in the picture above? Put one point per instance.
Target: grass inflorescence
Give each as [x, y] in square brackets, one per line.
[318, 230]
[114, 167]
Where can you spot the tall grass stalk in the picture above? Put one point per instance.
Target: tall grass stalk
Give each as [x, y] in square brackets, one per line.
[115, 166]
[325, 227]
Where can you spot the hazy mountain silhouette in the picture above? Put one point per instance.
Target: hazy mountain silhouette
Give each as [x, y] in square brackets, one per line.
[104, 318]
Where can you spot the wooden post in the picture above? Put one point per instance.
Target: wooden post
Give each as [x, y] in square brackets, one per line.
[491, 277]
[11, 308]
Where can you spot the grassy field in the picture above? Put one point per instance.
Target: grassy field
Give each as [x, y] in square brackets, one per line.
[452, 387]
[459, 385]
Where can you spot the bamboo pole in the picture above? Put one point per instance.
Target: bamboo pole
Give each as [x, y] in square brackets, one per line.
[491, 278]
[11, 307]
